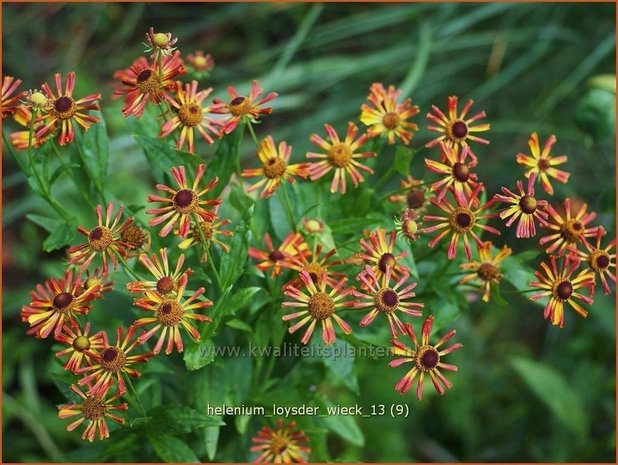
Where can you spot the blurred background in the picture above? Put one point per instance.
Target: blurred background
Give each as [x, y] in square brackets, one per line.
[525, 391]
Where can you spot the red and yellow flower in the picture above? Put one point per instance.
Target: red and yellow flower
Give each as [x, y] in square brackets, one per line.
[79, 343]
[136, 240]
[9, 99]
[200, 62]
[317, 267]
[190, 116]
[542, 164]
[385, 116]
[103, 239]
[241, 108]
[600, 260]
[170, 313]
[166, 282]
[160, 43]
[209, 232]
[275, 167]
[318, 306]
[63, 109]
[567, 229]
[426, 359]
[281, 445]
[456, 129]
[94, 408]
[456, 172]
[20, 139]
[387, 300]
[185, 202]
[278, 258]
[379, 253]
[413, 194]
[97, 278]
[340, 156]
[407, 225]
[561, 287]
[486, 270]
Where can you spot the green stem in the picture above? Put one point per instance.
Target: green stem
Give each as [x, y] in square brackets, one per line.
[83, 194]
[127, 268]
[253, 136]
[140, 407]
[206, 248]
[287, 204]
[384, 179]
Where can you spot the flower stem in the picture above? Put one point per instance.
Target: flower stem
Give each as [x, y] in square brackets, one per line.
[125, 266]
[287, 205]
[83, 194]
[140, 407]
[206, 248]
[253, 136]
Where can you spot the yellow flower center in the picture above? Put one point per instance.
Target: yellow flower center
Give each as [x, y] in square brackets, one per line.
[38, 99]
[100, 238]
[572, 230]
[199, 62]
[321, 306]
[409, 228]
[207, 231]
[64, 107]
[562, 290]
[113, 359]
[275, 168]
[391, 120]
[599, 260]
[340, 155]
[170, 313]
[81, 343]
[314, 271]
[462, 219]
[528, 204]
[190, 114]
[427, 358]
[93, 408]
[91, 282]
[489, 273]
[386, 300]
[160, 39]
[135, 237]
[240, 106]
[278, 445]
[313, 226]
[185, 201]
[148, 81]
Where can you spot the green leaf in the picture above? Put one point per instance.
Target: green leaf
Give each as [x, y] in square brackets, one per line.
[233, 263]
[354, 225]
[211, 438]
[47, 223]
[340, 363]
[343, 425]
[196, 355]
[62, 236]
[239, 199]
[520, 276]
[403, 158]
[163, 156]
[61, 169]
[171, 449]
[179, 419]
[278, 218]
[240, 325]
[225, 160]
[555, 392]
[95, 151]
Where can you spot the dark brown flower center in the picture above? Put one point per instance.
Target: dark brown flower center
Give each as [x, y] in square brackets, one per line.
[148, 81]
[81, 343]
[112, 359]
[602, 261]
[391, 120]
[340, 155]
[572, 231]
[237, 101]
[321, 306]
[170, 313]
[190, 114]
[461, 172]
[387, 259]
[63, 104]
[63, 300]
[427, 358]
[462, 219]
[165, 285]
[93, 408]
[460, 129]
[144, 75]
[528, 204]
[489, 272]
[100, 238]
[416, 198]
[543, 164]
[185, 201]
[276, 255]
[386, 300]
[315, 271]
[275, 168]
[564, 289]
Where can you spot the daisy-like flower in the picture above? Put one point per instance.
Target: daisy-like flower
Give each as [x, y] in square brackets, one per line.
[561, 287]
[599, 259]
[385, 116]
[281, 445]
[275, 167]
[99, 279]
[20, 139]
[35, 100]
[542, 164]
[170, 313]
[95, 409]
[340, 156]
[486, 270]
[201, 63]
[142, 82]
[210, 230]
[569, 229]
[407, 225]
[461, 220]
[185, 202]
[64, 110]
[166, 282]
[318, 305]
[523, 207]
[426, 359]
[292, 245]
[9, 99]
[160, 43]
[136, 239]
[112, 362]
[379, 253]
[190, 116]
[382, 298]
[57, 303]
[79, 342]
[317, 267]
[241, 108]
[456, 129]
[456, 171]
[103, 239]
[413, 194]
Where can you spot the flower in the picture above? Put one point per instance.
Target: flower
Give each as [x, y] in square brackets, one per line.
[599, 259]
[319, 305]
[387, 117]
[386, 299]
[170, 313]
[340, 156]
[95, 409]
[20, 139]
[317, 267]
[103, 239]
[407, 225]
[166, 283]
[209, 231]
[64, 109]
[160, 43]
[200, 62]
[542, 164]
[426, 359]
[275, 167]
[185, 202]
[144, 83]
[461, 221]
[523, 206]
[113, 361]
[486, 269]
[97, 278]
[413, 194]
[456, 172]
[10, 99]
[281, 445]
[36, 100]
[242, 108]
[313, 226]
[380, 253]
[56, 304]
[567, 230]
[190, 115]
[79, 342]
[136, 240]
[456, 130]
[560, 287]
[292, 245]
